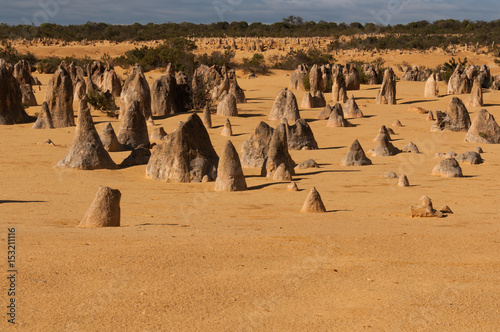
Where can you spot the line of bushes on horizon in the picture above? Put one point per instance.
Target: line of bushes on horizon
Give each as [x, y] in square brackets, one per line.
[471, 31]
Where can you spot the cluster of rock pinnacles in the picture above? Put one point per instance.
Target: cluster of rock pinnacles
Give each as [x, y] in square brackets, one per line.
[187, 154]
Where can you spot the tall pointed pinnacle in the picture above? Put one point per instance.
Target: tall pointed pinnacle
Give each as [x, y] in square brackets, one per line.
[229, 173]
[87, 151]
[313, 202]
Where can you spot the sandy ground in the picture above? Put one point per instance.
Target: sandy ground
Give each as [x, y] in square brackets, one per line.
[189, 259]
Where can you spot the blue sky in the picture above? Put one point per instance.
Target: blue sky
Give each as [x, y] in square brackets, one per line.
[266, 11]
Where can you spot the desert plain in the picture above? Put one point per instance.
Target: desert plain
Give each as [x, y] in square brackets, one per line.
[187, 258]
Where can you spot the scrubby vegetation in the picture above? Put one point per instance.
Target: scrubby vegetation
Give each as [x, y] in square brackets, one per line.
[293, 59]
[11, 55]
[420, 35]
[177, 51]
[449, 67]
[256, 65]
[102, 101]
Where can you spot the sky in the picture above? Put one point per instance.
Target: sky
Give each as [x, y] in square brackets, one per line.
[266, 11]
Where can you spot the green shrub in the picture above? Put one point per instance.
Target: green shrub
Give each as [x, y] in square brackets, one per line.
[217, 58]
[104, 102]
[256, 65]
[177, 51]
[449, 67]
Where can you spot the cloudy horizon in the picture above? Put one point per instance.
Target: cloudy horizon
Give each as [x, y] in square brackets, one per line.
[155, 11]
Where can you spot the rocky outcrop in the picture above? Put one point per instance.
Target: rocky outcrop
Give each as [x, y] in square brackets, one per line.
[285, 107]
[104, 210]
[356, 156]
[11, 107]
[448, 168]
[387, 93]
[255, 150]
[300, 136]
[484, 129]
[166, 97]
[229, 173]
[87, 151]
[133, 128]
[59, 98]
[186, 155]
[456, 118]
[279, 164]
[136, 89]
[44, 120]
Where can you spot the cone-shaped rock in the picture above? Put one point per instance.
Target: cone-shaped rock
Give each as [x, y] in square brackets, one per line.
[313, 202]
[383, 131]
[227, 130]
[397, 123]
[229, 173]
[351, 109]
[356, 156]
[59, 97]
[227, 105]
[44, 120]
[385, 148]
[104, 210]
[278, 155]
[136, 89]
[456, 117]
[430, 90]
[206, 117]
[292, 186]
[336, 118]
[186, 155]
[109, 139]
[255, 150]
[285, 107]
[425, 210]
[87, 151]
[403, 181]
[445, 209]
[11, 107]
[133, 128]
[411, 148]
[300, 136]
[476, 94]
[158, 133]
[325, 113]
[484, 129]
[387, 93]
[430, 116]
[448, 168]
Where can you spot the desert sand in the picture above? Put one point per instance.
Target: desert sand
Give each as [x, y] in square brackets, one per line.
[187, 258]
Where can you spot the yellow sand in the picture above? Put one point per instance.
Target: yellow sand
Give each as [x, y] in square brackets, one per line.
[190, 259]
